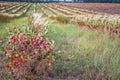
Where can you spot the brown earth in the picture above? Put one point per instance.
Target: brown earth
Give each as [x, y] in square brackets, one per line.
[99, 7]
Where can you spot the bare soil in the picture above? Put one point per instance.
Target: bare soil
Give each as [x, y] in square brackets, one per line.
[99, 7]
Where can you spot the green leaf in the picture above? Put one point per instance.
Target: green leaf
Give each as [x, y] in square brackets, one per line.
[95, 61]
[52, 58]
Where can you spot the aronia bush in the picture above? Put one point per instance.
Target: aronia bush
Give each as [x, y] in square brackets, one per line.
[29, 51]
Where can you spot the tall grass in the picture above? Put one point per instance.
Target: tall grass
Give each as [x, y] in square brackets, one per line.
[94, 55]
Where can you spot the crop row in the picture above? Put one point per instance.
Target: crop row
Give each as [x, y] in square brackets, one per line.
[12, 7]
[90, 19]
[112, 19]
[5, 5]
[64, 14]
[14, 11]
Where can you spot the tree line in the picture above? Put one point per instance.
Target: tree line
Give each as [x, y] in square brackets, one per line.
[100, 1]
[103, 1]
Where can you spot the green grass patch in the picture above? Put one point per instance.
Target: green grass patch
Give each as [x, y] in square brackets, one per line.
[92, 52]
[18, 22]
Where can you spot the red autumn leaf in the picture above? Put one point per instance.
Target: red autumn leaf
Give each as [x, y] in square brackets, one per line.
[14, 28]
[14, 39]
[16, 63]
